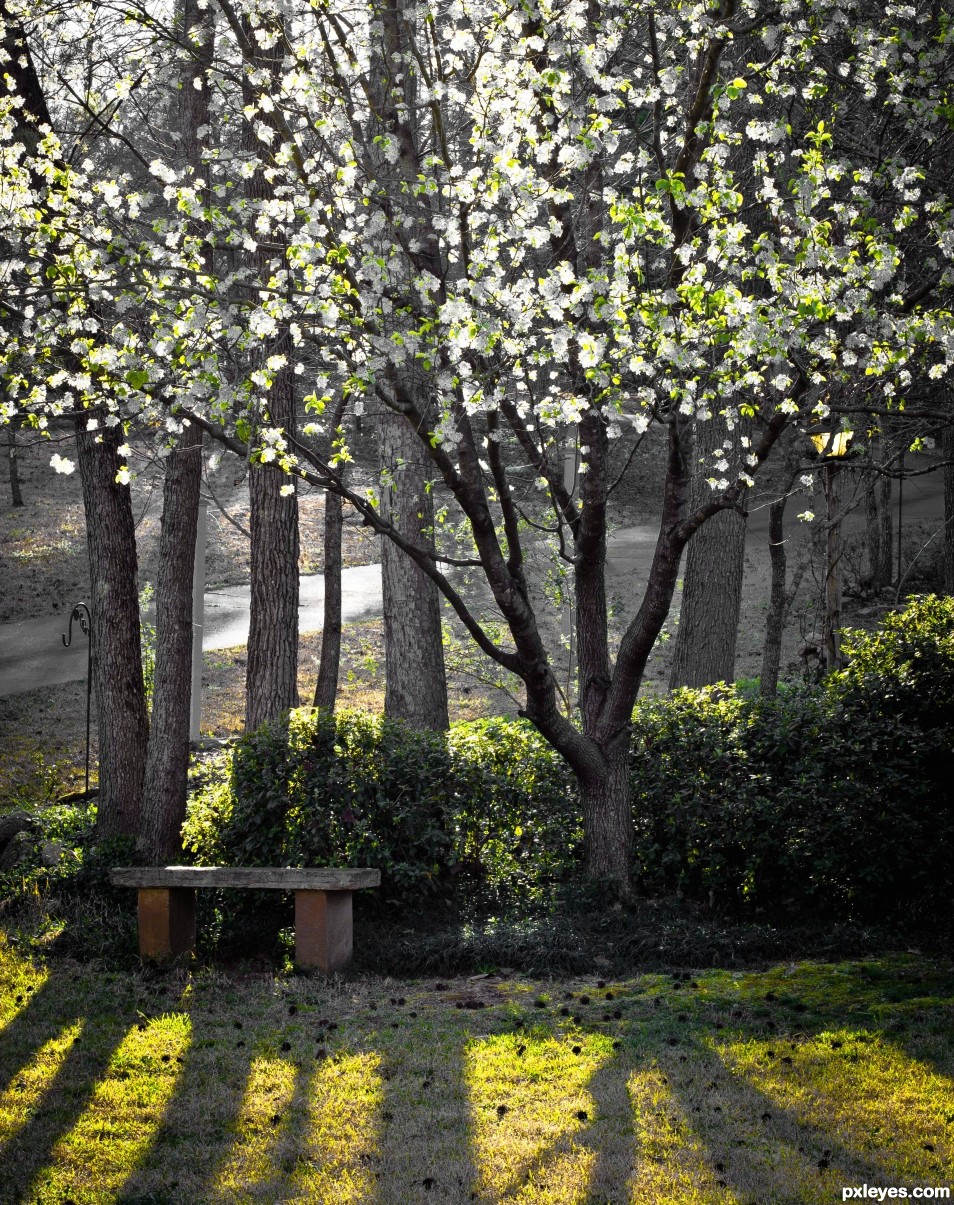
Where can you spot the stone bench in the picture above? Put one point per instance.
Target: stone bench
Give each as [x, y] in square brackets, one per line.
[323, 927]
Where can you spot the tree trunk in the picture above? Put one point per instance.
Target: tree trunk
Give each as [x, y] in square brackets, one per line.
[712, 594]
[948, 449]
[832, 592]
[416, 683]
[326, 689]
[272, 670]
[271, 678]
[606, 796]
[886, 539]
[167, 764]
[778, 600]
[122, 723]
[16, 496]
[873, 534]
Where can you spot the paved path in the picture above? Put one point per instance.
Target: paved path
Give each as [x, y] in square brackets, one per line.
[32, 652]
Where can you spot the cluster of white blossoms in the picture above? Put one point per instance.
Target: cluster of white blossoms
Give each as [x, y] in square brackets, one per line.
[501, 192]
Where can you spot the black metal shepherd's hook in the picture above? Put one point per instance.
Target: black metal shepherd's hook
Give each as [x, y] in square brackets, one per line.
[81, 614]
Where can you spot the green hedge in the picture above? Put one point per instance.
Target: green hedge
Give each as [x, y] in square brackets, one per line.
[490, 808]
[829, 801]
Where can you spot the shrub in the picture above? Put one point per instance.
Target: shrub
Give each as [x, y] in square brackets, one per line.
[803, 803]
[830, 801]
[487, 808]
[515, 813]
[906, 669]
[60, 890]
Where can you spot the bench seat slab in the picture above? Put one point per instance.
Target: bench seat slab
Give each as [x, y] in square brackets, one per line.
[323, 930]
[166, 922]
[274, 878]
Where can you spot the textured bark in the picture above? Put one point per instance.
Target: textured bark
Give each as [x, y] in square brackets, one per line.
[831, 632]
[271, 679]
[272, 670]
[948, 448]
[121, 720]
[608, 816]
[326, 688]
[778, 601]
[416, 683]
[886, 538]
[712, 594]
[879, 526]
[873, 534]
[167, 764]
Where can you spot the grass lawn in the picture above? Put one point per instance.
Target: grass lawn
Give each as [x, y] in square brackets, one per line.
[694, 1087]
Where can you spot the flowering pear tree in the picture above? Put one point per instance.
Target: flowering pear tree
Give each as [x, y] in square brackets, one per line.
[519, 226]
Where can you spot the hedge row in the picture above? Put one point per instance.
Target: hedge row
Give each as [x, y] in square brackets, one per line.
[830, 801]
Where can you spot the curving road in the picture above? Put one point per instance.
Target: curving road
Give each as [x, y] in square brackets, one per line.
[32, 653]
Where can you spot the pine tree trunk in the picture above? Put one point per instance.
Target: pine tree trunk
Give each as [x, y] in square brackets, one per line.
[167, 764]
[271, 679]
[873, 534]
[326, 689]
[712, 594]
[272, 669]
[886, 539]
[416, 683]
[122, 723]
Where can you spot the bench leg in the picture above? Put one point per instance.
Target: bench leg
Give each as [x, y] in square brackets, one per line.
[323, 930]
[166, 922]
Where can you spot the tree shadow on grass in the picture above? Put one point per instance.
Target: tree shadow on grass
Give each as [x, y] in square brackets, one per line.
[65, 1003]
[269, 1121]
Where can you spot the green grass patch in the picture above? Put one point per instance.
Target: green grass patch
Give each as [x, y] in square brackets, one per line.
[693, 1086]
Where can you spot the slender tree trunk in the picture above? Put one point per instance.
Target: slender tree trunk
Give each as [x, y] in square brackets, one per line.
[326, 689]
[778, 600]
[886, 538]
[16, 496]
[122, 723]
[873, 533]
[832, 593]
[271, 679]
[712, 595]
[272, 669]
[948, 449]
[416, 682]
[167, 764]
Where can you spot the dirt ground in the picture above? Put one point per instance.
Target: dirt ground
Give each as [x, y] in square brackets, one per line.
[43, 571]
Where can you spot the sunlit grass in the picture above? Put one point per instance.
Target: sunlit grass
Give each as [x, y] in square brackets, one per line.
[94, 1159]
[529, 1105]
[769, 1088]
[255, 1157]
[32, 1083]
[880, 1111]
[342, 1146]
[19, 979]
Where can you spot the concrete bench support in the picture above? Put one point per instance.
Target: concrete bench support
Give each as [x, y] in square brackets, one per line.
[323, 929]
[323, 918]
[166, 922]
